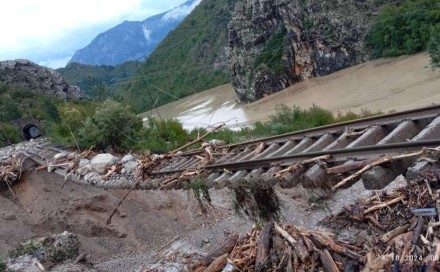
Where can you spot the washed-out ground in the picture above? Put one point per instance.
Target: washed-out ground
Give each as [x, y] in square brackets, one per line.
[146, 221]
[394, 84]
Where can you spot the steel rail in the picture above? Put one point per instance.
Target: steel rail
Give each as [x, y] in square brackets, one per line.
[357, 124]
[364, 152]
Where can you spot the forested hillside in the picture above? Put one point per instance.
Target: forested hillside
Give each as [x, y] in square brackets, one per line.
[190, 59]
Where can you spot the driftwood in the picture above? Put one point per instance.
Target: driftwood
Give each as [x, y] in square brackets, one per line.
[327, 261]
[393, 233]
[224, 248]
[285, 235]
[379, 162]
[328, 243]
[195, 141]
[385, 204]
[218, 264]
[264, 246]
[379, 263]
[355, 165]
[297, 165]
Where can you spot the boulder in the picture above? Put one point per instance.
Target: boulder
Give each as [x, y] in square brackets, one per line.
[127, 158]
[100, 162]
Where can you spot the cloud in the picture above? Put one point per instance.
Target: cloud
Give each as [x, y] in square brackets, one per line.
[48, 30]
[180, 11]
[56, 63]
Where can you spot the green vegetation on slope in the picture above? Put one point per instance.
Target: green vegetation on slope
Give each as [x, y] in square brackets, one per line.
[183, 63]
[403, 29]
[434, 46]
[87, 77]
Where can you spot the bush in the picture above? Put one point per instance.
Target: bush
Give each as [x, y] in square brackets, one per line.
[434, 46]
[403, 29]
[9, 134]
[113, 126]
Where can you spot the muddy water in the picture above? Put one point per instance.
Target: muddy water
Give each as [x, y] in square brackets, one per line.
[386, 84]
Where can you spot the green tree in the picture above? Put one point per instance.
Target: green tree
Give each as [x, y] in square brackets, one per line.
[434, 46]
[9, 110]
[112, 126]
[403, 29]
[98, 89]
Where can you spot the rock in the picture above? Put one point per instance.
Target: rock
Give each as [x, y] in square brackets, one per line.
[50, 250]
[130, 166]
[84, 170]
[83, 162]
[25, 74]
[302, 39]
[399, 182]
[92, 177]
[26, 263]
[100, 162]
[60, 157]
[127, 158]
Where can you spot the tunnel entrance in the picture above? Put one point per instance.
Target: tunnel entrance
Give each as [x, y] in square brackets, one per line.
[31, 131]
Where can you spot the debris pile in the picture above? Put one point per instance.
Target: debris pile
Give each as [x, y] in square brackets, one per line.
[10, 171]
[400, 233]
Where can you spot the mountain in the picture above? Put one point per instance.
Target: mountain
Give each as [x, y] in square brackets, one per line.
[26, 75]
[192, 58]
[132, 40]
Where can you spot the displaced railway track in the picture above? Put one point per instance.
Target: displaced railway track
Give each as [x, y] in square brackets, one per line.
[269, 161]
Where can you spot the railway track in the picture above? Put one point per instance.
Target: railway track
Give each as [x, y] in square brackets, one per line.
[256, 162]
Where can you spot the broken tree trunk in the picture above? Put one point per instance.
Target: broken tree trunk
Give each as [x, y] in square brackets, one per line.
[264, 246]
[224, 248]
[350, 166]
[218, 264]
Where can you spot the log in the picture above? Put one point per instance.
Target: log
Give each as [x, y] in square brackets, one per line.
[327, 243]
[385, 204]
[195, 141]
[218, 264]
[379, 162]
[285, 235]
[224, 248]
[393, 233]
[322, 243]
[264, 246]
[327, 261]
[350, 166]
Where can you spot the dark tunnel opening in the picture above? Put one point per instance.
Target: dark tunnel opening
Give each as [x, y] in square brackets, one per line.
[31, 132]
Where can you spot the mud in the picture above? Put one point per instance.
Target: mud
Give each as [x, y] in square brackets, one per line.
[396, 84]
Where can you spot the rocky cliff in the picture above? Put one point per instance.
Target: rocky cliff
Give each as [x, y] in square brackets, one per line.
[27, 75]
[273, 44]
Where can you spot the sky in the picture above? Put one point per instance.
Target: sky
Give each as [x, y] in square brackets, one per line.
[48, 32]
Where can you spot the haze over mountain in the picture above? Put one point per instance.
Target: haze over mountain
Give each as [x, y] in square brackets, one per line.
[132, 40]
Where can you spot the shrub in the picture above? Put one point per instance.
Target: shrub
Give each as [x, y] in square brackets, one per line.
[113, 126]
[9, 134]
[434, 46]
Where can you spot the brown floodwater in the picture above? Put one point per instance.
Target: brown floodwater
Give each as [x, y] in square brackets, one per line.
[386, 84]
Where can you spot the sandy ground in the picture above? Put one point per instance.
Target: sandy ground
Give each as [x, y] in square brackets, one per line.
[147, 221]
[386, 84]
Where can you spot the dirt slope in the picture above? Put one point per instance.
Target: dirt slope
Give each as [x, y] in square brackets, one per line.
[386, 84]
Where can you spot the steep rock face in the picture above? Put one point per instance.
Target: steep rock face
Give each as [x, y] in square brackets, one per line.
[27, 75]
[273, 44]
